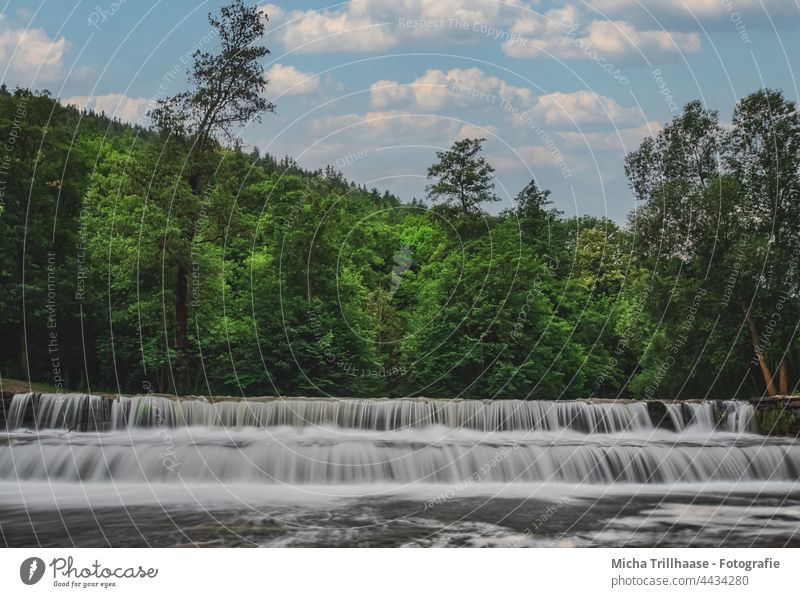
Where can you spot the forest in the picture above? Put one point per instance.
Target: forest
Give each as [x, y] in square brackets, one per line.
[173, 259]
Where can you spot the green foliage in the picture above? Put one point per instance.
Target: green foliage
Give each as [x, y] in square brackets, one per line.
[253, 276]
[774, 421]
[721, 239]
[225, 88]
[462, 177]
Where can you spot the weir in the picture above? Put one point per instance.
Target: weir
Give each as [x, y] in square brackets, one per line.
[80, 438]
[335, 456]
[96, 413]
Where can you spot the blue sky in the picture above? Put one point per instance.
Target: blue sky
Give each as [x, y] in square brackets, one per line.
[561, 90]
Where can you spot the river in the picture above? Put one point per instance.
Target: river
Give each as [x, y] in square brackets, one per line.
[136, 471]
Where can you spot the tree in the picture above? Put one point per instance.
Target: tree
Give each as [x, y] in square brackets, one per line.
[225, 89]
[534, 203]
[698, 297]
[763, 154]
[225, 94]
[42, 178]
[668, 174]
[536, 215]
[462, 177]
[725, 230]
[682, 234]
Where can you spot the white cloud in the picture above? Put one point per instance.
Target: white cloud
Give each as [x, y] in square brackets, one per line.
[567, 34]
[114, 105]
[287, 80]
[377, 25]
[351, 29]
[696, 8]
[28, 56]
[386, 93]
[523, 31]
[618, 37]
[581, 108]
[436, 90]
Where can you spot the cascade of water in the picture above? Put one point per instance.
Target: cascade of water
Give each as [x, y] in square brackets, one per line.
[704, 415]
[355, 441]
[728, 415]
[739, 417]
[675, 412]
[337, 456]
[89, 412]
[84, 412]
[20, 405]
[55, 411]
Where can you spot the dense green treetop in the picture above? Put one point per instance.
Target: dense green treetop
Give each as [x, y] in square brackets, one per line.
[304, 283]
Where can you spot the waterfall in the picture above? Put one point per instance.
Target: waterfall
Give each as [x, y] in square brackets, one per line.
[58, 411]
[727, 415]
[89, 412]
[739, 416]
[436, 455]
[53, 411]
[20, 403]
[685, 415]
[80, 438]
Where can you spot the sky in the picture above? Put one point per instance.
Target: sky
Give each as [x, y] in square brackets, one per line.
[561, 91]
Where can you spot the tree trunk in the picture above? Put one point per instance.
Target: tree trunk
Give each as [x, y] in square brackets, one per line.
[23, 354]
[765, 371]
[182, 323]
[23, 341]
[183, 377]
[783, 376]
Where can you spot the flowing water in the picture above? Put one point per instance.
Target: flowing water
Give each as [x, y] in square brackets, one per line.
[149, 470]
